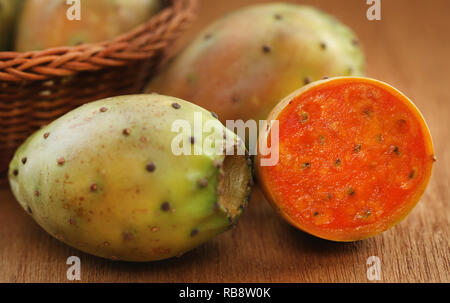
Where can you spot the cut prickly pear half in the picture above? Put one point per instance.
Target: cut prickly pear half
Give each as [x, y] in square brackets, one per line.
[107, 178]
[355, 156]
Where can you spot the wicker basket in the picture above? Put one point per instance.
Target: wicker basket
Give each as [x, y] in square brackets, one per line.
[39, 86]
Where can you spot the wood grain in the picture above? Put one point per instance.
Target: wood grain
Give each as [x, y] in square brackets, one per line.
[410, 49]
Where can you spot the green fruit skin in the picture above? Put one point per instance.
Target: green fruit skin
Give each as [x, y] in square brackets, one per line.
[44, 24]
[242, 65]
[104, 200]
[9, 10]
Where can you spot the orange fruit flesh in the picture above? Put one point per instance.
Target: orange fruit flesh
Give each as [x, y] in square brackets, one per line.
[355, 157]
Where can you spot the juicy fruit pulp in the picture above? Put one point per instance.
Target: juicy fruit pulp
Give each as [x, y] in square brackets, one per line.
[103, 178]
[243, 64]
[355, 157]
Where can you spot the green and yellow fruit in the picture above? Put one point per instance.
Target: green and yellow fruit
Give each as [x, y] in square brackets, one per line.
[242, 65]
[104, 178]
[44, 23]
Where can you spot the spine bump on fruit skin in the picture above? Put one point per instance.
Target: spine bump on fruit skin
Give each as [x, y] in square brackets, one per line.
[244, 63]
[103, 178]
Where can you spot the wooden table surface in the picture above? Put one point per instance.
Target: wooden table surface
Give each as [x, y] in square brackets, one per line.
[409, 48]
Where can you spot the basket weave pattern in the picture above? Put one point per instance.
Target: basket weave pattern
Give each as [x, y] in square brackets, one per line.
[39, 86]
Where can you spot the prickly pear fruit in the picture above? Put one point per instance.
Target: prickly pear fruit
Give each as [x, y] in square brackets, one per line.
[8, 13]
[104, 178]
[355, 157]
[44, 23]
[243, 64]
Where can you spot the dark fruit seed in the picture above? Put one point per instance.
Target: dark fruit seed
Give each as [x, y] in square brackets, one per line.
[151, 167]
[94, 187]
[401, 123]
[357, 148]
[103, 109]
[194, 232]
[29, 210]
[46, 135]
[338, 162]
[325, 78]
[380, 138]
[192, 140]
[126, 131]
[351, 191]
[214, 115]
[60, 161]
[364, 214]
[165, 206]
[306, 165]
[315, 214]
[176, 105]
[395, 150]
[307, 80]
[15, 172]
[208, 36]
[368, 112]
[323, 46]
[412, 174]
[24, 160]
[305, 117]
[322, 140]
[36, 193]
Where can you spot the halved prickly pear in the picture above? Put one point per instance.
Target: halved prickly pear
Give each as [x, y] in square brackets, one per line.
[107, 178]
[355, 156]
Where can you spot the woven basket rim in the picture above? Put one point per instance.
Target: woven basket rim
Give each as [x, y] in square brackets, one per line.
[137, 44]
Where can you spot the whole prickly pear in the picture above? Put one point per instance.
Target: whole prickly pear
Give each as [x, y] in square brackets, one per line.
[44, 23]
[243, 64]
[104, 178]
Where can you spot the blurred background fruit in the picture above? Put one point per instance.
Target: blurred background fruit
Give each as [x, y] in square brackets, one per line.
[246, 62]
[8, 14]
[44, 24]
